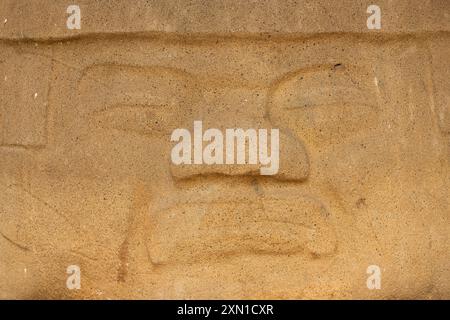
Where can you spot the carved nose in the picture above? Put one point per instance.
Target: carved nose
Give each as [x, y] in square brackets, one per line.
[293, 164]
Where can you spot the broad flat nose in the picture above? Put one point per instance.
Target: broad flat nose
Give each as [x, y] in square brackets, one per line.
[231, 108]
[293, 163]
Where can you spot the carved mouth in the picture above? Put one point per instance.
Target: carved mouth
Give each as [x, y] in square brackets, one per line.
[199, 230]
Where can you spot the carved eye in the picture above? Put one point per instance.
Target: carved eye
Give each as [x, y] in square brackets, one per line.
[325, 104]
[143, 100]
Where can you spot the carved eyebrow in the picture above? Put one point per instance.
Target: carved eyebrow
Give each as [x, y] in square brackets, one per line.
[108, 69]
[325, 85]
[124, 85]
[329, 96]
[351, 71]
[140, 119]
[129, 107]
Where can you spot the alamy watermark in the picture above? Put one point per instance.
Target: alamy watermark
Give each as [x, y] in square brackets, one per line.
[74, 20]
[73, 281]
[374, 20]
[374, 280]
[227, 148]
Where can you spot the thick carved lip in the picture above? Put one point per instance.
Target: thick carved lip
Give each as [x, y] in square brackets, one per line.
[201, 229]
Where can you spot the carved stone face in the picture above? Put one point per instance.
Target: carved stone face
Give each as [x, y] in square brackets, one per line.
[363, 176]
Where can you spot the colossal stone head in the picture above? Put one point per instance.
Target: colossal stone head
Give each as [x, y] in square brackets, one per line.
[86, 176]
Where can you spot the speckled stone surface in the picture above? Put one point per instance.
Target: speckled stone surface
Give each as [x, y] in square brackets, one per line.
[86, 177]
